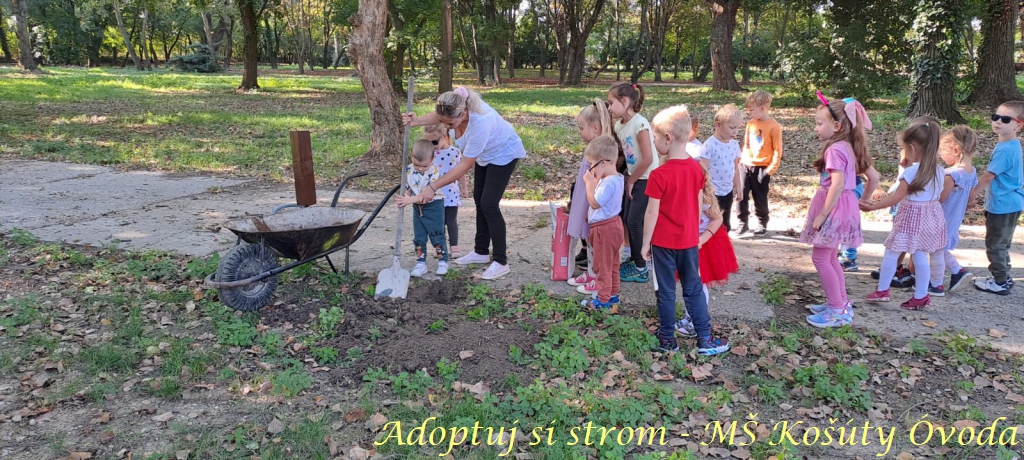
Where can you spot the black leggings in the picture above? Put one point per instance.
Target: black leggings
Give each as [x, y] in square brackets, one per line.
[489, 184]
[451, 222]
[633, 216]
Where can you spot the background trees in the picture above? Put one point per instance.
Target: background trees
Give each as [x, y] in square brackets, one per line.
[944, 52]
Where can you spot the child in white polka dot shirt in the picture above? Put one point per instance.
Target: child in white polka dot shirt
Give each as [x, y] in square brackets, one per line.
[446, 157]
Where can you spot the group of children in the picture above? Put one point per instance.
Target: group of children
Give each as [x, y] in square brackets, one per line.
[670, 209]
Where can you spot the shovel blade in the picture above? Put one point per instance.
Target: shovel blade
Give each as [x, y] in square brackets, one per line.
[392, 282]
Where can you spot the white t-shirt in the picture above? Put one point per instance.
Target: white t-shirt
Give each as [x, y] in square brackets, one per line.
[930, 193]
[693, 149]
[490, 139]
[721, 158]
[608, 194]
[627, 133]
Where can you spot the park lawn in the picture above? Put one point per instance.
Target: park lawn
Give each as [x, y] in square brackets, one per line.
[112, 353]
[193, 123]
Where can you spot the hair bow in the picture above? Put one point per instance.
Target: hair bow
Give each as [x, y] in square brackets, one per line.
[462, 92]
[852, 109]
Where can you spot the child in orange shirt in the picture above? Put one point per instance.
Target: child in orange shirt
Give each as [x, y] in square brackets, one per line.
[762, 153]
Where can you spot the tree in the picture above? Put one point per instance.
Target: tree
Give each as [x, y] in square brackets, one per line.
[250, 12]
[366, 48]
[124, 34]
[3, 38]
[995, 81]
[574, 20]
[25, 59]
[723, 23]
[938, 49]
[444, 79]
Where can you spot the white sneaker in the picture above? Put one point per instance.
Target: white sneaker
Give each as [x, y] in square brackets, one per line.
[495, 271]
[419, 270]
[473, 258]
[585, 278]
[442, 268]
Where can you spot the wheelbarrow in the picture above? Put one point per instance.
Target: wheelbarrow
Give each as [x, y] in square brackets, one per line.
[246, 277]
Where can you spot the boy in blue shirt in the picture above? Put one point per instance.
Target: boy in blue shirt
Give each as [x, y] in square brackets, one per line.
[1003, 183]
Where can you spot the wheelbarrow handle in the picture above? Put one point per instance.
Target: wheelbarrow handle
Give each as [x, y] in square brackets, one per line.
[337, 193]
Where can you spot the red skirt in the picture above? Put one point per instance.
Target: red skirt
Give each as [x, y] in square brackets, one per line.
[717, 259]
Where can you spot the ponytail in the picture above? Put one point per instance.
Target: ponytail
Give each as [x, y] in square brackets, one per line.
[635, 94]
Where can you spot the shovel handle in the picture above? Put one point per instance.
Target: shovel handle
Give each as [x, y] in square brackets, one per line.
[401, 191]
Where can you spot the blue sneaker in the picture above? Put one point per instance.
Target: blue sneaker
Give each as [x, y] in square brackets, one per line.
[599, 305]
[666, 344]
[638, 275]
[830, 318]
[707, 346]
[849, 265]
[626, 269]
[614, 300]
[822, 307]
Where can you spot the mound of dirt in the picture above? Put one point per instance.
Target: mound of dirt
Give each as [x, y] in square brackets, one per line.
[415, 333]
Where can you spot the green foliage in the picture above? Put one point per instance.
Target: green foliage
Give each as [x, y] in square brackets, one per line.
[327, 321]
[236, 332]
[775, 289]
[411, 386]
[292, 380]
[324, 355]
[201, 268]
[448, 371]
[842, 385]
[22, 238]
[25, 312]
[436, 326]
[860, 50]
[108, 357]
[963, 348]
[200, 59]
[535, 172]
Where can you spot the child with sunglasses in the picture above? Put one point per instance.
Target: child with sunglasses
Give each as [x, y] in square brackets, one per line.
[604, 195]
[1003, 183]
[447, 157]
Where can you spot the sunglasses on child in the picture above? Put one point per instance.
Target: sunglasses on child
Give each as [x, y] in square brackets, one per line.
[1005, 119]
[596, 164]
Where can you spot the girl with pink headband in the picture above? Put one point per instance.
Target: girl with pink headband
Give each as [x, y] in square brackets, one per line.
[491, 147]
[834, 217]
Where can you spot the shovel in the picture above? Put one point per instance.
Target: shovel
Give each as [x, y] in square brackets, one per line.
[394, 282]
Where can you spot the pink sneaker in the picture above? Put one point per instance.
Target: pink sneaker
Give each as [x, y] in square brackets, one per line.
[878, 296]
[585, 278]
[589, 288]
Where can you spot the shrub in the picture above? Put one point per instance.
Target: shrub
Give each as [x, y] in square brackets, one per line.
[200, 60]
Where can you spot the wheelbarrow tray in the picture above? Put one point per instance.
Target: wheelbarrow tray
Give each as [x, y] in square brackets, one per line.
[301, 233]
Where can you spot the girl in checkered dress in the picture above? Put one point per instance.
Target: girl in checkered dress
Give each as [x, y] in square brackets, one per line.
[919, 227]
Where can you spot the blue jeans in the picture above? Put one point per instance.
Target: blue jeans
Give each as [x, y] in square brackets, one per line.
[428, 223]
[851, 253]
[667, 262]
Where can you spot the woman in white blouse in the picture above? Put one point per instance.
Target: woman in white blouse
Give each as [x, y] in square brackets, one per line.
[491, 147]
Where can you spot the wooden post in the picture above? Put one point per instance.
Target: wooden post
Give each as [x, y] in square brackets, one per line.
[302, 167]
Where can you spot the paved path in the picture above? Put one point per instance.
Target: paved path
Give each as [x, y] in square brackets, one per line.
[85, 204]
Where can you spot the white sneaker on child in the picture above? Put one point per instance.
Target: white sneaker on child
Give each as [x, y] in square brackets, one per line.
[419, 270]
[442, 268]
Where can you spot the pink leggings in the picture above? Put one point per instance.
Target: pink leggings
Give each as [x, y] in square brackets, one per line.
[833, 280]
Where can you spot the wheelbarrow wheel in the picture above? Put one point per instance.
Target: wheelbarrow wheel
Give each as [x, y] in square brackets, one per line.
[245, 261]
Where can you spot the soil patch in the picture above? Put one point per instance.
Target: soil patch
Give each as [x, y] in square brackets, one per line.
[406, 335]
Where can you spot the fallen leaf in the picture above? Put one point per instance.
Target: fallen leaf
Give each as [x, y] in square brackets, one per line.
[996, 333]
[358, 453]
[698, 373]
[376, 421]
[104, 417]
[466, 354]
[1015, 397]
[609, 378]
[163, 417]
[354, 416]
[929, 324]
[182, 454]
[741, 454]
[79, 456]
[275, 426]
[479, 389]
[106, 437]
[961, 424]
[190, 306]
[904, 456]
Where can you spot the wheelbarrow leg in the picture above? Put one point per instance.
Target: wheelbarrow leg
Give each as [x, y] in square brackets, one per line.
[328, 259]
[346, 261]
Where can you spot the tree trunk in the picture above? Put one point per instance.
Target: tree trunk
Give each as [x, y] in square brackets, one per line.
[640, 40]
[251, 50]
[723, 23]
[781, 43]
[231, 45]
[581, 18]
[510, 60]
[337, 52]
[618, 44]
[3, 39]
[996, 80]
[271, 36]
[678, 55]
[745, 63]
[937, 49]
[26, 61]
[143, 42]
[396, 68]
[366, 48]
[208, 30]
[444, 79]
[540, 37]
[124, 34]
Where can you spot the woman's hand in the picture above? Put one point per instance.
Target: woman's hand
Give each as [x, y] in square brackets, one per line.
[879, 195]
[404, 201]
[867, 206]
[408, 118]
[465, 192]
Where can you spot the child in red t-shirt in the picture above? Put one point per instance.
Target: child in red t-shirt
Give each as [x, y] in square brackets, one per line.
[670, 232]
